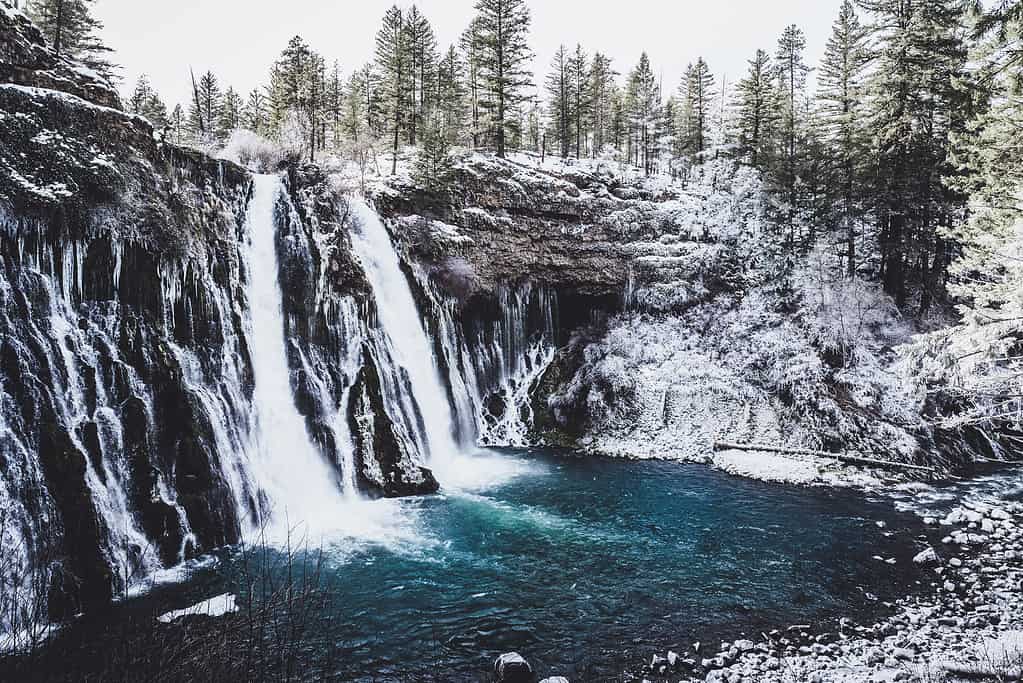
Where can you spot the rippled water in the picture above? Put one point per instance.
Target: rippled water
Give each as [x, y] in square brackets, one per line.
[589, 566]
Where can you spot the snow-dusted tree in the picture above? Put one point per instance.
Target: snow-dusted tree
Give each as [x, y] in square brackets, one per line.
[72, 31]
[204, 112]
[792, 72]
[433, 159]
[758, 111]
[290, 81]
[918, 104]
[392, 63]
[471, 44]
[700, 96]
[255, 115]
[602, 89]
[451, 94]
[578, 75]
[504, 59]
[333, 106]
[842, 96]
[358, 120]
[230, 118]
[145, 101]
[422, 65]
[535, 127]
[643, 105]
[177, 125]
[560, 101]
[979, 364]
[757, 119]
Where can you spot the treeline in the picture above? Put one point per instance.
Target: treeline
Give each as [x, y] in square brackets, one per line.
[874, 164]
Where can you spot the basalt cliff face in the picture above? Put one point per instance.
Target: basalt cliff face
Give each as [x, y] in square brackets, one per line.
[122, 289]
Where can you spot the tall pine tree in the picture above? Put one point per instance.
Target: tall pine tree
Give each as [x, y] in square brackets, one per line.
[842, 95]
[392, 60]
[504, 58]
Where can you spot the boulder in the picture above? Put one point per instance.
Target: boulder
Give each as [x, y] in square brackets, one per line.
[927, 557]
[511, 667]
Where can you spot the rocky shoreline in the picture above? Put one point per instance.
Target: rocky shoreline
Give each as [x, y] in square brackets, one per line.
[968, 624]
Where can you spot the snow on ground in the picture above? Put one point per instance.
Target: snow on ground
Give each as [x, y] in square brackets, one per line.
[801, 471]
[216, 606]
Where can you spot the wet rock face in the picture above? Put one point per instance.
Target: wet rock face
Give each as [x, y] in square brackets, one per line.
[326, 300]
[121, 296]
[385, 465]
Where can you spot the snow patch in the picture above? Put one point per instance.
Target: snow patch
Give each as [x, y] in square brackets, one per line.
[214, 607]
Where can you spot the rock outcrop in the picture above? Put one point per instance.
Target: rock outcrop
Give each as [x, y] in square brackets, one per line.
[26, 61]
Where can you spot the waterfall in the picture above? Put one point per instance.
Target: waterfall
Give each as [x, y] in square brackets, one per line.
[300, 484]
[493, 366]
[416, 377]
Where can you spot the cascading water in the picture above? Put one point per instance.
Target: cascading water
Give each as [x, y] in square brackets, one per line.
[493, 367]
[302, 488]
[406, 338]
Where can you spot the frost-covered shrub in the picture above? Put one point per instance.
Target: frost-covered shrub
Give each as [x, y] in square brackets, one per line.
[605, 386]
[253, 151]
[293, 138]
[846, 316]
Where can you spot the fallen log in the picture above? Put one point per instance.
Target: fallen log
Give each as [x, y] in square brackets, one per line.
[841, 457]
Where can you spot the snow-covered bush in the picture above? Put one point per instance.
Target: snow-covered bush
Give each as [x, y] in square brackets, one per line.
[293, 138]
[253, 151]
[845, 316]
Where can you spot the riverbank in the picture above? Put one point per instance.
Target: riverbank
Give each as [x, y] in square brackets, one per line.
[966, 625]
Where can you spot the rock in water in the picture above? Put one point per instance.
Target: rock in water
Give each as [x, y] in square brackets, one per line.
[555, 679]
[511, 667]
[927, 557]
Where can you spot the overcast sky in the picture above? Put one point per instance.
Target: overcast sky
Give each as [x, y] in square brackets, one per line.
[239, 39]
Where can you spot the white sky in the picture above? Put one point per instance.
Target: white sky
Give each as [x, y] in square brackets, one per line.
[239, 39]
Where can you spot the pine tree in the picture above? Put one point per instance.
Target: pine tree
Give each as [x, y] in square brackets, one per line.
[145, 101]
[560, 106]
[434, 167]
[698, 96]
[204, 113]
[471, 44]
[230, 118]
[392, 60]
[842, 94]
[178, 125]
[422, 63]
[792, 72]
[334, 105]
[601, 94]
[254, 116]
[72, 31]
[578, 74]
[918, 105]
[504, 63]
[643, 111]
[758, 111]
[355, 120]
[451, 94]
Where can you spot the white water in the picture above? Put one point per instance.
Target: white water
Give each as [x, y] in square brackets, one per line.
[400, 321]
[307, 499]
[303, 489]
